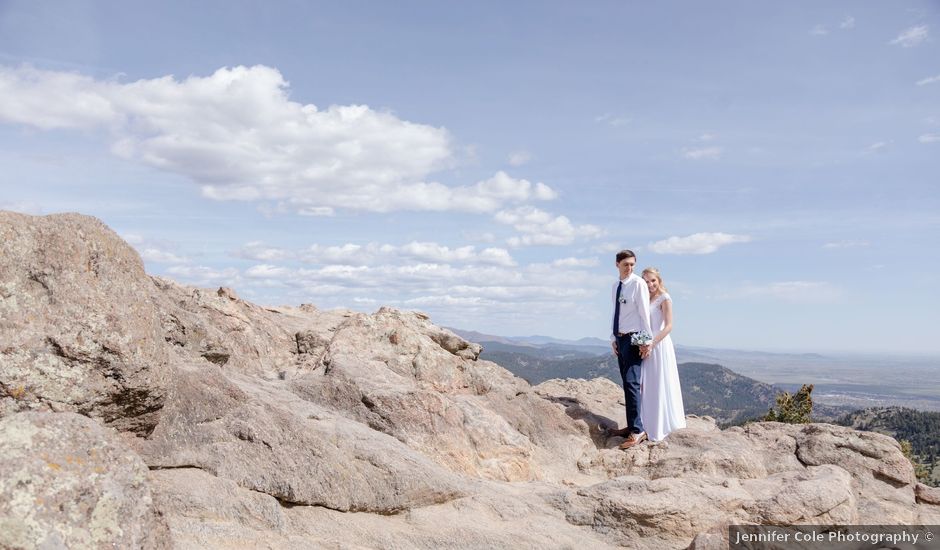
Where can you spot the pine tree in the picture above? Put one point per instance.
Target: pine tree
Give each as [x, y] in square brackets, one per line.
[920, 469]
[792, 408]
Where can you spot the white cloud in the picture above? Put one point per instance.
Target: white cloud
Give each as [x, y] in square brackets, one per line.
[541, 228]
[823, 30]
[30, 208]
[156, 255]
[266, 271]
[575, 262]
[929, 138]
[351, 254]
[154, 251]
[47, 99]
[256, 250]
[496, 256]
[503, 188]
[347, 254]
[438, 253]
[518, 158]
[612, 120]
[484, 237]
[699, 243]
[132, 238]
[928, 80]
[846, 244]
[454, 293]
[450, 301]
[877, 147]
[434, 284]
[703, 153]
[206, 276]
[297, 205]
[607, 248]
[707, 137]
[483, 197]
[315, 211]
[238, 135]
[911, 37]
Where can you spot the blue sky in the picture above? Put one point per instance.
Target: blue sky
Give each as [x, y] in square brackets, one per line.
[483, 161]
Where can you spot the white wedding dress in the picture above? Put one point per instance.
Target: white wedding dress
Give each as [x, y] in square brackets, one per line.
[661, 405]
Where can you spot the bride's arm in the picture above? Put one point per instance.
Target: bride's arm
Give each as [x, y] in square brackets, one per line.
[667, 323]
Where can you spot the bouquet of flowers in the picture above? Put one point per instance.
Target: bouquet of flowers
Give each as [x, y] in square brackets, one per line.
[641, 338]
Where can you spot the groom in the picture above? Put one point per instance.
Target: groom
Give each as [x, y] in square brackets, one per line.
[631, 315]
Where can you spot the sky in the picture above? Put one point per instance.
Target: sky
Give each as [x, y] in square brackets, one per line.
[484, 161]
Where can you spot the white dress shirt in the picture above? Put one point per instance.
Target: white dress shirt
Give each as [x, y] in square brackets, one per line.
[634, 306]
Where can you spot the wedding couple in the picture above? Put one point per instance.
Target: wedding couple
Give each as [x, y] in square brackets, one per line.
[647, 359]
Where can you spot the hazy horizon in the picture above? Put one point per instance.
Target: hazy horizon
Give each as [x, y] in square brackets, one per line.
[833, 353]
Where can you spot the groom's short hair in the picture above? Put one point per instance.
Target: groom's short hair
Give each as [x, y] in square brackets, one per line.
[624, 254]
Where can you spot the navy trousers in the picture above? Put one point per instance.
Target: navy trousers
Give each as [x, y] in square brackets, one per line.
[629, 362]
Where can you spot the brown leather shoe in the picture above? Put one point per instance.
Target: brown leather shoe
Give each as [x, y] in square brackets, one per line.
[632, 440]
[621, 432]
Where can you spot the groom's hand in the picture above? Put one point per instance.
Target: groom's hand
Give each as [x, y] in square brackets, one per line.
[614, 345]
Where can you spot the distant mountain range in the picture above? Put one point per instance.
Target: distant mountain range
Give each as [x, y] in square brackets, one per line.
[707, 388]
[845, 381]
[597, 346]
[532, 341]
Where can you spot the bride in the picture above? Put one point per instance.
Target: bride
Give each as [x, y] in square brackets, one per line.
[661, 407]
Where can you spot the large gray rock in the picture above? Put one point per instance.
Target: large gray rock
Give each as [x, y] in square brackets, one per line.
[927, 495]
[205, 511]
[700, 478]
[218, 327]
[68, 482]
[265, 438]
[882, 476]
[670, 512]
[662, 513]
[78, 330]
[397, 373]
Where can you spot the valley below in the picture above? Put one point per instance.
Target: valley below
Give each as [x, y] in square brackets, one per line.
[842, 381]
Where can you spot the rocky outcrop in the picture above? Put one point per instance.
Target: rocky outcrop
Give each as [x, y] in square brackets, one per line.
[78, 329]
[271, 441]
[701, 479]
[927, 495]
[244, 426]
[498, 516]
[68, 482]
[390, 372]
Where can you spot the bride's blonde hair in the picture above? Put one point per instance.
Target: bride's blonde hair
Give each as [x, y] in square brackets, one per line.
[659, 278]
